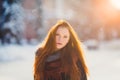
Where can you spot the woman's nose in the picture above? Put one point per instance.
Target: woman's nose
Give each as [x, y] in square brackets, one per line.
[59, 38]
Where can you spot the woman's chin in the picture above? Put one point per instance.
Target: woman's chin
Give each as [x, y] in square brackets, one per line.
[59, 48]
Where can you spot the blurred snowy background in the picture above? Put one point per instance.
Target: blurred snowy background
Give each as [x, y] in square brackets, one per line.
[25, 23]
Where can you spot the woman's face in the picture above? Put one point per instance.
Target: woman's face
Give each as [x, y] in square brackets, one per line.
[62, 37]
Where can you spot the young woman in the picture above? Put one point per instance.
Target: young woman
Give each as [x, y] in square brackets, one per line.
[60, 56]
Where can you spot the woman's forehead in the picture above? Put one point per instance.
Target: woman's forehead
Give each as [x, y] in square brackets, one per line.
[62, 29]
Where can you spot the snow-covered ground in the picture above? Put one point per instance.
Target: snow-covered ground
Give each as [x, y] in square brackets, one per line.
[16, 62]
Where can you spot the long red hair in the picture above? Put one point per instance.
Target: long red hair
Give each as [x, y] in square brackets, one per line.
[70, 53]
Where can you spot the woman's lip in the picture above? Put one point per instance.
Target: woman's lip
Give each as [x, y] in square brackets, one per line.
[59, 43]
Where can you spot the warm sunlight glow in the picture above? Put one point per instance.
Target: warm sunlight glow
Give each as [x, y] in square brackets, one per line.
[115, 3]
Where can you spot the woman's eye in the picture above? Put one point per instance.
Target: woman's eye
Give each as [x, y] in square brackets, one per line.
[65, 36]
[57, 34]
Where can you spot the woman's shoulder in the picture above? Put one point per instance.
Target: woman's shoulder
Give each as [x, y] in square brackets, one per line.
[38, 51]
[75, 55]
